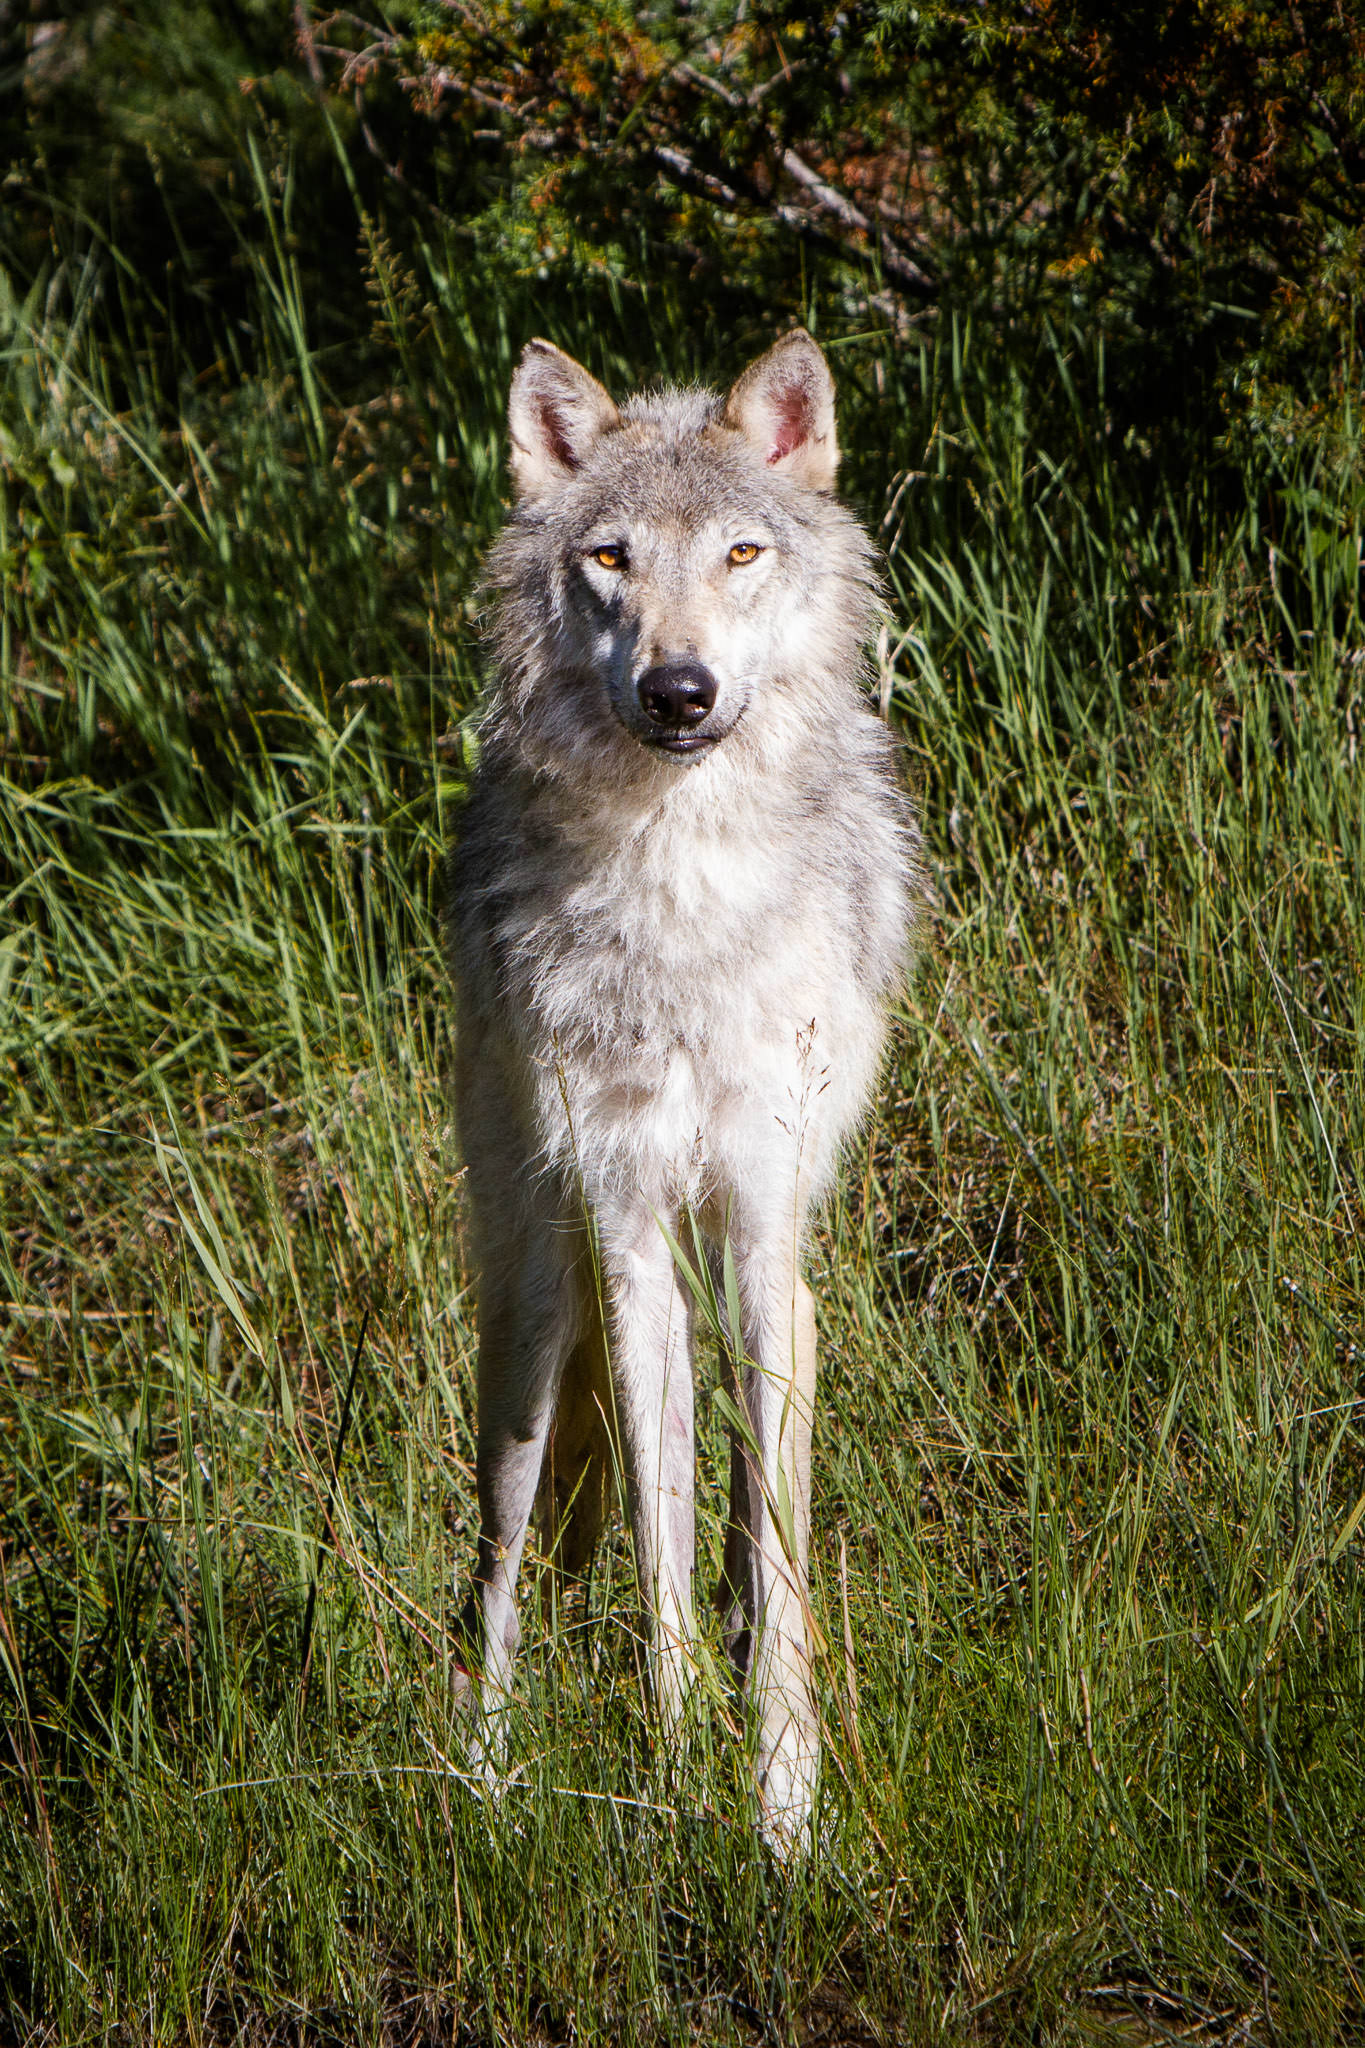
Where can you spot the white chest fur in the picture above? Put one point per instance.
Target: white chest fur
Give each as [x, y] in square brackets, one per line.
[691, 986]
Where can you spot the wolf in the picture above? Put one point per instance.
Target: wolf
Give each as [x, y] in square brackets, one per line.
[684, 889]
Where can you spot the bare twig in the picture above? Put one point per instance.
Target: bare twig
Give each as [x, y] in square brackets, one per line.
[894, 262]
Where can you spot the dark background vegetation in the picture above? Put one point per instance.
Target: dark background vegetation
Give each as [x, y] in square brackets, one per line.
[1090, 1468]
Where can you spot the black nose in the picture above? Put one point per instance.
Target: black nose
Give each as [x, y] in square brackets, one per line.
[676, 693]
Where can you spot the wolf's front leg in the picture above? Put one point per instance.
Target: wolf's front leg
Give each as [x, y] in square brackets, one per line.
[774, 1511]
[649, 1322]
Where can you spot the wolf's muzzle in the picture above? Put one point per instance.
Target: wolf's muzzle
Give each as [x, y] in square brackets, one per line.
[676, 697]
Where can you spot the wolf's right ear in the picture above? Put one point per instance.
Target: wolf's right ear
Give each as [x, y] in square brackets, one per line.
[556, 413]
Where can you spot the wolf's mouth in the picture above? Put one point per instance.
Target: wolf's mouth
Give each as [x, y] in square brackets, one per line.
[682, 742]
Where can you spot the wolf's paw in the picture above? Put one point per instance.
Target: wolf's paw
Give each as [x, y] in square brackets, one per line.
[787, 1777]
[485, 1748]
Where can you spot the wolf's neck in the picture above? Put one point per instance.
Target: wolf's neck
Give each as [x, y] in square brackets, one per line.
[729, 797]
[600, 780]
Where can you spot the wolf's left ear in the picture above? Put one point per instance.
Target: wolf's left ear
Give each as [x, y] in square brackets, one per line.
[784, 404]
[555, 413]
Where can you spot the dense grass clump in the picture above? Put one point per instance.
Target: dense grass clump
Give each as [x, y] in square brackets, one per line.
[1091, 1457]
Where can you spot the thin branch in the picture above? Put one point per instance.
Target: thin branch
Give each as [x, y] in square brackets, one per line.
[795, 218]
[826, 197]
[703, 82]
[303, 31]
[829, 200]
[687, 173]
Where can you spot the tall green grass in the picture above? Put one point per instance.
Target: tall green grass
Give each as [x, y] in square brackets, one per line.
[1089, 1461]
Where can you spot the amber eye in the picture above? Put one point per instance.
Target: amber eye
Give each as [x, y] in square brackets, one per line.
[743, 552]
[609, 558]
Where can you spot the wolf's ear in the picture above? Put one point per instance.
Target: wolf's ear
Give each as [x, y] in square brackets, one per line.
[556, 412]
[784, 404]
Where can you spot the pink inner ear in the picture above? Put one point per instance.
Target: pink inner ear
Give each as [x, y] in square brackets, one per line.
[791, 420]
[552, 427]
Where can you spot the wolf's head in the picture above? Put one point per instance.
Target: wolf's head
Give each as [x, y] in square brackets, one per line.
[675, 558]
